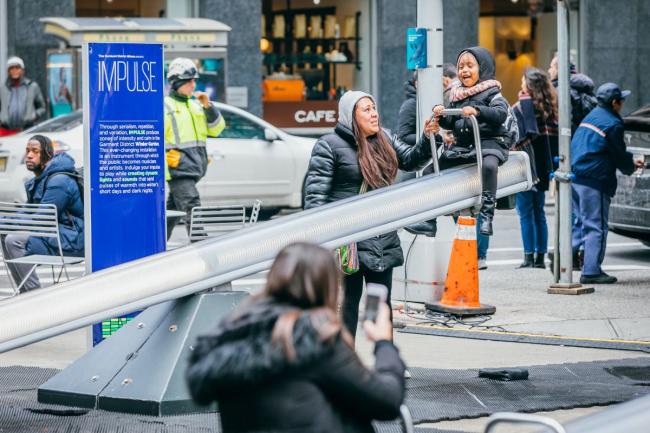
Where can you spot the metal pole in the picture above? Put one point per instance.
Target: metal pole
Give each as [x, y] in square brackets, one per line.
[563, 174]
[3, 40]
[429, 87]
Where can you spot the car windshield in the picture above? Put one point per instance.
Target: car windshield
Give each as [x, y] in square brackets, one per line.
[59, 124]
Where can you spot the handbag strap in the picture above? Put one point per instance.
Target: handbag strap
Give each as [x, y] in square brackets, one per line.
[364, 187]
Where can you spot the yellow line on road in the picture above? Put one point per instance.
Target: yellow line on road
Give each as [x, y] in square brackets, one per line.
[523, 334]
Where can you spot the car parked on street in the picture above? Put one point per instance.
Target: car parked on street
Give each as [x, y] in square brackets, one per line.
[629, 214]
[250, 160]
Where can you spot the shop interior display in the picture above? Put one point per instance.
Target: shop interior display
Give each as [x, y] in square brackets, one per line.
[308, 44]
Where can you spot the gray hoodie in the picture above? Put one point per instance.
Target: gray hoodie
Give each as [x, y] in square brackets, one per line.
[346, 106]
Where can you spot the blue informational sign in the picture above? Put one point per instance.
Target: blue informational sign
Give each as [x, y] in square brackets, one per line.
[416, 48]
[124, 161]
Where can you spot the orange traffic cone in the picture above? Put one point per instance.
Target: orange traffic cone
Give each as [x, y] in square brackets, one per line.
[461, 286]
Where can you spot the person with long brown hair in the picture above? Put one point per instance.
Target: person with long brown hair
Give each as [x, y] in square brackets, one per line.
[537, 115]
[361, 153]
[283, 361]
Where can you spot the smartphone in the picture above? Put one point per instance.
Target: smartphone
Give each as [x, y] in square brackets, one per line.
[375, 295]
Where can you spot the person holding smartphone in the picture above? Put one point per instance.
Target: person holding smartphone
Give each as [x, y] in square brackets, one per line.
[283, 361]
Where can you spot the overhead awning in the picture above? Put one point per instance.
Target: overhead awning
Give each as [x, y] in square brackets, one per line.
[185, 32]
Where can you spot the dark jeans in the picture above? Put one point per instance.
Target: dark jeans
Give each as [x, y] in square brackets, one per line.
[183, 196]
[591, 207]
[353, 285]
[532, 219]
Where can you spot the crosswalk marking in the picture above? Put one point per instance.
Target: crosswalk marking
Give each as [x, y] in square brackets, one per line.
[510, 262]
[612, 245]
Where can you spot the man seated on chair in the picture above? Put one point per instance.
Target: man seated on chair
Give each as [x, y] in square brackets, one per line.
[50, 185]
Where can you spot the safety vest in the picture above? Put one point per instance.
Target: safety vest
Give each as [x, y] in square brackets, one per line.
[187, 130]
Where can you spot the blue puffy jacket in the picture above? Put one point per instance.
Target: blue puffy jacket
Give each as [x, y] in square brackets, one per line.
[598, 149]
[62, 191]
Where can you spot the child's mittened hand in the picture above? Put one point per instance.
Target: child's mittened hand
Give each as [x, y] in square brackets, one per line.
[469, 111]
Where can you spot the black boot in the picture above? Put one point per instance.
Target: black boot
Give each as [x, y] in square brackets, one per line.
[539, 261]
[427, 228]
[528, 262]
[488, 203]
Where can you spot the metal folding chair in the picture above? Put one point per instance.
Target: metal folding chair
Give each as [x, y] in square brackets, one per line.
[255, 212]
[38, 220]
[212, 221]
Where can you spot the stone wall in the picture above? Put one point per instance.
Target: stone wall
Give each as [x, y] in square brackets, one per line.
[617, 47]
[25, 33]
[244, 56]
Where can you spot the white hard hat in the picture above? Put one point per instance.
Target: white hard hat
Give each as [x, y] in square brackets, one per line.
[181, 68]
[15, 61]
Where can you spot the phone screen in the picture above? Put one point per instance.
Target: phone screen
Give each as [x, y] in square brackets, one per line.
[376, 294]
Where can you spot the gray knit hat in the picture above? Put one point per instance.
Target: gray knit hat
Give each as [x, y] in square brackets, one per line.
[346, 106]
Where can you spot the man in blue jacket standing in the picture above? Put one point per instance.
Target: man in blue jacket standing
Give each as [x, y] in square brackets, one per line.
[52, 184]
[597, 150]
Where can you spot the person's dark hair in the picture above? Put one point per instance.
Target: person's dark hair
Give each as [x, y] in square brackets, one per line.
[47, 148]
[305, 275]
[542, 93]
[377, 157]
[449, 70]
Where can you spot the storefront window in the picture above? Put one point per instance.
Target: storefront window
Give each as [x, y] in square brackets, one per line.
[312, 53]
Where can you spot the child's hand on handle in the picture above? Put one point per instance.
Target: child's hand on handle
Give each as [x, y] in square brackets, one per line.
[469, 111]
[437, 110]
[431, 127]
[382, 328]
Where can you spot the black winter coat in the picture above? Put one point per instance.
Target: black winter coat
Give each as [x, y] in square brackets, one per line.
[325, 389]
[407, 118]
[334, 173]
[583, 99]
[493, 110]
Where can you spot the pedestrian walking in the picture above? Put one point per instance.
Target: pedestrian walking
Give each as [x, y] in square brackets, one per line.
[283, 362]
[581, 91]
[21, 100]
[597, 151]
[536, 112]
[479, 94]
[53, 183]
[188, 123]
[360, 153]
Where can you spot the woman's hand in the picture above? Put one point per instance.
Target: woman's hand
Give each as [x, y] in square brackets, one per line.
[382, 328]
[469, 111]
[431, 127]
[437, 110]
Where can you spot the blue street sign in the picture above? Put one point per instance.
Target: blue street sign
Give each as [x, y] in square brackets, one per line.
[124, 157]
[416, 48]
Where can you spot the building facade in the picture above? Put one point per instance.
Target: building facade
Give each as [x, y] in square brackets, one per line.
[292, 59]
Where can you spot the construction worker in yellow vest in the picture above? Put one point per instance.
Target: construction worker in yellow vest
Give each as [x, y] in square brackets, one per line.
[188, 123]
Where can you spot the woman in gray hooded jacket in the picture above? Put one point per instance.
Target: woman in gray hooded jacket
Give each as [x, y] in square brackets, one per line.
[361, 151]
